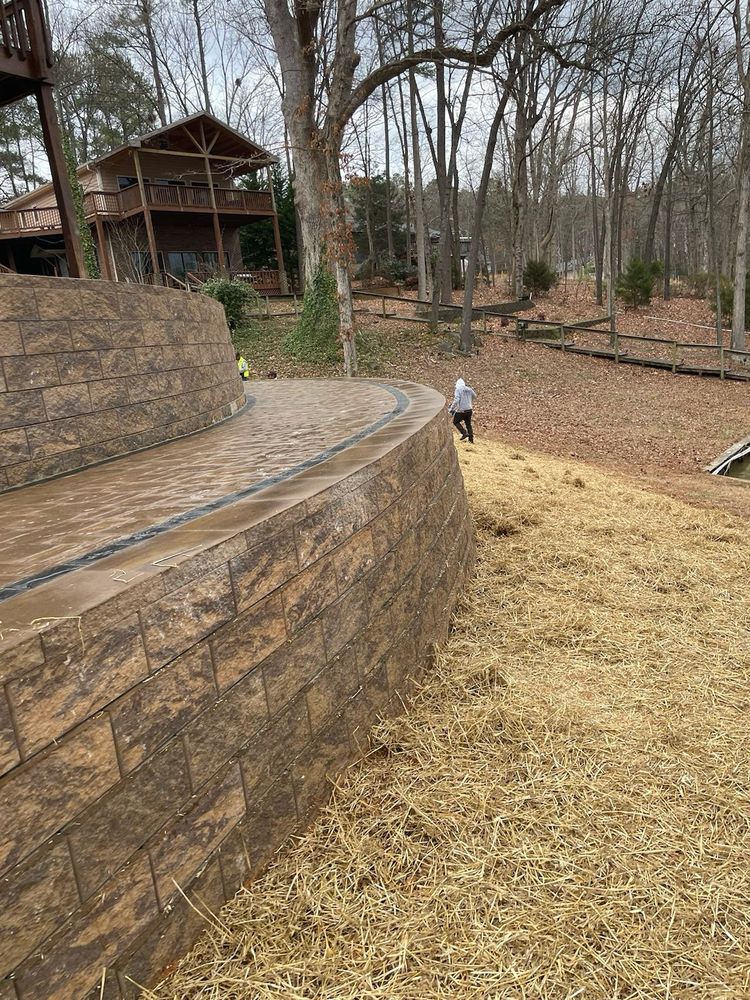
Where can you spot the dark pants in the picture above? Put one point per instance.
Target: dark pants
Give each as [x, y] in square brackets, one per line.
[464, 417]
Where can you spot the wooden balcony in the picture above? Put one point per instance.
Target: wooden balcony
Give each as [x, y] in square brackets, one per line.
[176, 198]
[25, 49]
[113, 206]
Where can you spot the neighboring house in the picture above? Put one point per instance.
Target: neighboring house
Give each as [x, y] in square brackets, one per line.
[162, 206]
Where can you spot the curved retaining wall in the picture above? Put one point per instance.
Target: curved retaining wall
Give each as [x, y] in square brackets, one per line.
[181, 731]
[93, 369]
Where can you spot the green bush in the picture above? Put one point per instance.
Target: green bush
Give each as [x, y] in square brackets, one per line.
[236, 297]
[392, 268]
[726, 296]
[315, 335]
[636, 283]
[538, 276]
[656, 267]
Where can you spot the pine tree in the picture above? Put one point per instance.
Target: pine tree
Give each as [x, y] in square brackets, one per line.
[636, 283]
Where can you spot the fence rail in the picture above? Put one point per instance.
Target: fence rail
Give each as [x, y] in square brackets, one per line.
[655, 352]
[589, 337]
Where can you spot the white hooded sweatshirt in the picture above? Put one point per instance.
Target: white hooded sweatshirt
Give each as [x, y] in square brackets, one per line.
[463, 398]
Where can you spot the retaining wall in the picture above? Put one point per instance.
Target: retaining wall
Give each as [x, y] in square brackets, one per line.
[93, 369]
[178, 733]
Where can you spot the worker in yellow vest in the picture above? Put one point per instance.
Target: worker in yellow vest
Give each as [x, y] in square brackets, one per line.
[243, 367]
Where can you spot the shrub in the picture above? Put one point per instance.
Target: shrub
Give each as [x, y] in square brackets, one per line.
[701, 285]
[726, 296]
[656, 267]
[393, 268]
[636, 283]
[538, 276]
[314, 337]
[235, 296]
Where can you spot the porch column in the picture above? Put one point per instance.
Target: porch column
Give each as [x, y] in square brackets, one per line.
[60, 181]
[212, 195]
[284, 287]
[147, 215]
[104, 261]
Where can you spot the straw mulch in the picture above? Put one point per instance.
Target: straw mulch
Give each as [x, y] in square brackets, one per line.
[565, 812]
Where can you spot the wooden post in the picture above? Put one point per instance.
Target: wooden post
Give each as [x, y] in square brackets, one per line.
[214, 210]
[383, 306]
[484, 322]
[110, 254]
[562, 338]
[283, 284]
[60, 181]
[103, 256]
[146, 215]
[674, 357]
[617, 347]
[721, 361]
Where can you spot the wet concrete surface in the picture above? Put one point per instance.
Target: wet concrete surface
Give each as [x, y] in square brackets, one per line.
[288, 423]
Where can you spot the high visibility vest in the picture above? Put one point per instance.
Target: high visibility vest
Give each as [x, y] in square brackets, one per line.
[244, 368]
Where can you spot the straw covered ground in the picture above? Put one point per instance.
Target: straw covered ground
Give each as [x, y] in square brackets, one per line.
[565, 811]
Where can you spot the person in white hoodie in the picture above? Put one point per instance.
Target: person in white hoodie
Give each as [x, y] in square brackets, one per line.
[462, 408]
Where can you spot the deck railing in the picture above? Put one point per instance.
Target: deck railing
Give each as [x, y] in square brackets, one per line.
[191, 199]
[25, 48]
[114, 204]
[264, 280]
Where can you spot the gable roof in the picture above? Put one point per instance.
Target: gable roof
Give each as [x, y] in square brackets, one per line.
[187, 136]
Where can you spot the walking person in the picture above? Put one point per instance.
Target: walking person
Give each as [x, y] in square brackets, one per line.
[462, 408]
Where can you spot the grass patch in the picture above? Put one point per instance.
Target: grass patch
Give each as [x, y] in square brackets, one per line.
[266, 346]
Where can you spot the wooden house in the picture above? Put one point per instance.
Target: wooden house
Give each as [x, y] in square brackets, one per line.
[164, 207]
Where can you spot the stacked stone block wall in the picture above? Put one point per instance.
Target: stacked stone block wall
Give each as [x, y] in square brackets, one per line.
[92, 369]
[177, 734]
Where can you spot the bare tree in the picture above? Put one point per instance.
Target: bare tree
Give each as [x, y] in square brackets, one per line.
[319, 60]
[742, 38]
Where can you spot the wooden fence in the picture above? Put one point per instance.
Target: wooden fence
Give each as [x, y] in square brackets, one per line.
[627, 348]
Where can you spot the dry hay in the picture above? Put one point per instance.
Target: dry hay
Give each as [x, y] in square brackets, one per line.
[564, 813]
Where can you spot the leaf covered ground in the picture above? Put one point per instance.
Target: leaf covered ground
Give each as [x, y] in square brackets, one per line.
[642, 422]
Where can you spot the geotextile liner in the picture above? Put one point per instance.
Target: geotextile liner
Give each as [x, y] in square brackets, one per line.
[564, 812]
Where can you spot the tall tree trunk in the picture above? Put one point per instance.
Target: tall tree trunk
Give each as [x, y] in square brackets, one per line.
[467, 340]
[423, 283]
[407, 175]
[202, 57]
[148, 26]
[740, 253]
[443, 277]
[742, 30]
[456, 231]
[668, 240]
[597, 241]
[711, 198]
[519, 189]
[386, 153]
[388, 198]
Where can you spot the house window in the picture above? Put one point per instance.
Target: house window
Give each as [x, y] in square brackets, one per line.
[182, 262]
[126, 182]
[166, 181]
